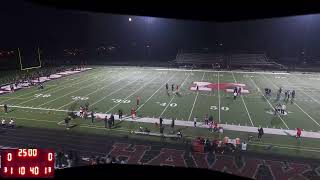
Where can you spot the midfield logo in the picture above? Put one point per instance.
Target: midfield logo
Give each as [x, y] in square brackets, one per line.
[228, 87]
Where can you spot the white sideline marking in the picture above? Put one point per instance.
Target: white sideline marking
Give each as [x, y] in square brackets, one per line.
[116, 91]
[154, 93]
[56, 90]
[295, 103]
[174, 96]
[135, 92]
[37, 108]
[244, 103]
[195, 99]
[94, 91]
[74, 91]
[268, 102]
[219, 97]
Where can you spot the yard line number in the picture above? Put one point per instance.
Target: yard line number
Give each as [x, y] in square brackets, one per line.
[125, 101]
[223, 108]
[165, 104]
[79, 98]
[42, 95]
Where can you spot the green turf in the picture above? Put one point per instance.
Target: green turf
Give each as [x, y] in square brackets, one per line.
[105, 87]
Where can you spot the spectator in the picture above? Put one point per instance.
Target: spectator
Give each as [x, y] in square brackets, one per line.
[5, 107]
[11, 123]
[172, 123]
[113, 160]
[92, 116]
[59, 159]
[56, 160]
[211, 127]
[179, 134]
[161, 129]
[106, 121]
[3, 123]
[220, 130]
[260, 133]
[108, 159]
[70, 159]
[206, 120]
[244, 146]
[109, 123]
[211, 118]
[298, 133]
[112, 119]
[122, 162]
[66, 121]
[160, 121]
[215, 126]
[120, 114]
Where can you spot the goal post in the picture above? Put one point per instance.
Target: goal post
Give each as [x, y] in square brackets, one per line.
[22, 68]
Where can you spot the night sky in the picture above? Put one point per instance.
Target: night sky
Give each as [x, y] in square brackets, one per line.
[27, 25]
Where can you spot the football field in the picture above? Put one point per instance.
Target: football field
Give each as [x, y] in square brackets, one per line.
[108, 89]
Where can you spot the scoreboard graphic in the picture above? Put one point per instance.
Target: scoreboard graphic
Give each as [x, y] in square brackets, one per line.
[27, 163]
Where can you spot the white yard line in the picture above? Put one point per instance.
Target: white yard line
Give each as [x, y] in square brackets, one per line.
[36, 91]
[116, 91]
[219, 97]
[195, 99]
[95, 91]
[59, 89]
[90, 84]
[244, 103]
[294, 103]
[174, 96]
[135, 92]
[268, 102]
[154, 93]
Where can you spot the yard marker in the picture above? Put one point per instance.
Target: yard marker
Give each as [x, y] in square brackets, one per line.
[244, 103]
[195, 99]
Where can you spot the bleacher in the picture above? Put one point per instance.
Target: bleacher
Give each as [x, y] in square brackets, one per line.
[236, 60]
[248, 59]
[199, 58]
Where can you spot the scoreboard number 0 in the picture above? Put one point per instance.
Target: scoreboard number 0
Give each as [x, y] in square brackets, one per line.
[50, 156]
[9, 157]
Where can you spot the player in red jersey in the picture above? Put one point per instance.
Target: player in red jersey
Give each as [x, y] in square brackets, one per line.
[299, 130]
[133, 113]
